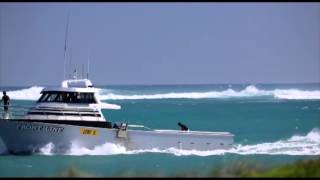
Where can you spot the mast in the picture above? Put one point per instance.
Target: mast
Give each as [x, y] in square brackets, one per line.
[65, 46]
[70, 59]
[82, 75]
[88, 61]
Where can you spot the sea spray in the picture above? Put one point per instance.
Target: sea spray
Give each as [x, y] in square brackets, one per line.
[47, 149]
[104, 149]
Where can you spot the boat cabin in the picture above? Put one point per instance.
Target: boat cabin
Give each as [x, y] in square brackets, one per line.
[67, 97]
[75, 100]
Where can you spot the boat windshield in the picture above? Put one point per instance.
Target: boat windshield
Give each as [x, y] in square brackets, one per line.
[67, 97]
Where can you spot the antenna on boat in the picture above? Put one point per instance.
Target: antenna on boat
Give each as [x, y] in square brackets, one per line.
[70, 59]
[88, 63]
[75, 74]
[65, 46]
[82, 75]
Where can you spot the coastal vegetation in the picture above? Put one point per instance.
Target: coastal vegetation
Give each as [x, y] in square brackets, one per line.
[300, 168]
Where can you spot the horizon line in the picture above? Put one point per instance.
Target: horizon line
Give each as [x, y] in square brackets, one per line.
[172, 84]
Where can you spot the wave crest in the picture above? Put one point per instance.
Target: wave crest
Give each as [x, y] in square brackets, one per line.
[249, 91]
[296, 94]
[33, 93]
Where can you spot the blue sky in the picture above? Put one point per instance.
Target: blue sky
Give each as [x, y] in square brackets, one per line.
[161, 43]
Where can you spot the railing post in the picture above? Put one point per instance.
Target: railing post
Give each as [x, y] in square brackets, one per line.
[64, 115]
[79, 113]
[96, 115]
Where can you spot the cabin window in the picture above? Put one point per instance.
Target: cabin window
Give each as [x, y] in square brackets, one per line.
[87, 98]
[68, 97]
[62, 97]
[43, 97]
[52, 97]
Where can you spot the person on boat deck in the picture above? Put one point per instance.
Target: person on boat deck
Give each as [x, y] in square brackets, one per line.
[6, 101]
[183, 127]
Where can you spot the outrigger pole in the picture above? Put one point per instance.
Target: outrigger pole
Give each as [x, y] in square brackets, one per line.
[65, 46]
[88, 64]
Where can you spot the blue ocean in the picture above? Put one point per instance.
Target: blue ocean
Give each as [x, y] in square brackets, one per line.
[273, 124]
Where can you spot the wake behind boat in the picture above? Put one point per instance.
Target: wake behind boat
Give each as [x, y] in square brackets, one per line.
[71, 114]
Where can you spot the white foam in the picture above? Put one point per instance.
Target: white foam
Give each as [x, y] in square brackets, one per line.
[296, 94]
[32, 93]
[308, 144]
[47, 149]
[249, 91]
[104, 149]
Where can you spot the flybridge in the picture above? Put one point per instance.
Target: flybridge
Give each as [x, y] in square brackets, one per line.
[73, 85]
[76, 83]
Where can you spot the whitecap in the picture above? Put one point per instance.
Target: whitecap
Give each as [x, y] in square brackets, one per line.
[33, 93]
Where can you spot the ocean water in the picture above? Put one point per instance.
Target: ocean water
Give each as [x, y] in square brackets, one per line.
[273, 124]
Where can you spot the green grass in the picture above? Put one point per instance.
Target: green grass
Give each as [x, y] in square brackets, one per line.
[74, 171]
[309, 168]
[300, 168]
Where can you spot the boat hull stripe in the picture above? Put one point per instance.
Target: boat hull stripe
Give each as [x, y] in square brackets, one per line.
[60, 109]
[99, 124]
[63, 114]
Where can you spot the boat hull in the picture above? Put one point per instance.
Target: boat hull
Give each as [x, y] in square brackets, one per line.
[30, 137]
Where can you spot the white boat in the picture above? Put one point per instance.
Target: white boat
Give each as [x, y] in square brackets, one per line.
[71, 114]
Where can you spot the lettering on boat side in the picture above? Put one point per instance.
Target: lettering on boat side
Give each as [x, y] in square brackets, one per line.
[51, 129]
[92, 132]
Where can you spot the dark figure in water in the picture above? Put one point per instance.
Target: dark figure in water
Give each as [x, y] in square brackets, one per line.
[183, 127]
[6, 101]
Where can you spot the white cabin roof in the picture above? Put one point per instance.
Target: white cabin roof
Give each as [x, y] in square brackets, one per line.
[76, 83]
[61, 89]
[81, 86]
[73, 85]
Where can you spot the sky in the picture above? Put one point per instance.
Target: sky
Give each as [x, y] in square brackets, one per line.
[160, 43]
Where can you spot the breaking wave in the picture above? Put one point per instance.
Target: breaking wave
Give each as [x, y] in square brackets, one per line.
[33, 93]
[296, 145]
[249, 91]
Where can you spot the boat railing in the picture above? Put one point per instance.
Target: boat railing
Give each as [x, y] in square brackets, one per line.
[21, 112]
[14, 111]
[139, 126]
